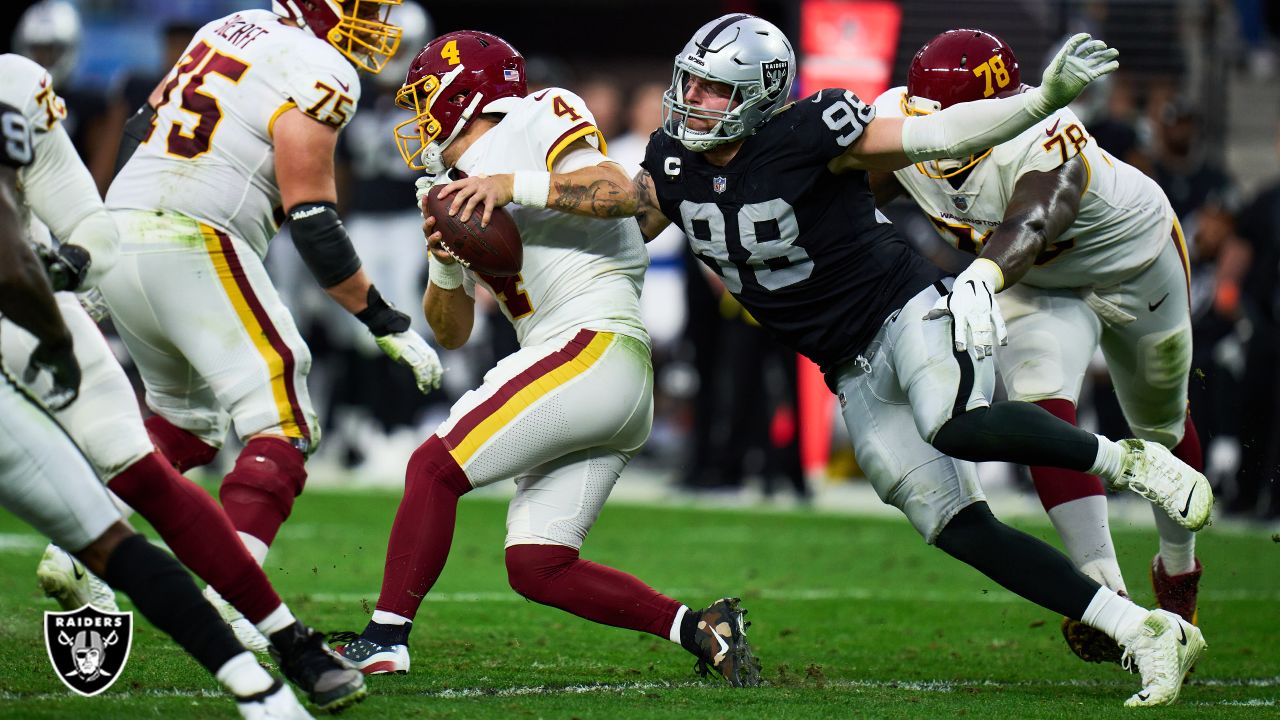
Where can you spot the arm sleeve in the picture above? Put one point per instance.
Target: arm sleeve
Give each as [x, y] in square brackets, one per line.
[970, 127]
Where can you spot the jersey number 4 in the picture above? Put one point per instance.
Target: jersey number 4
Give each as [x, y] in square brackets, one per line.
[191, 73]
[767, 231]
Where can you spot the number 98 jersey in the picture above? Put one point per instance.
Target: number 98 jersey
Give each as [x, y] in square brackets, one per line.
[209, 154]
[804, 250]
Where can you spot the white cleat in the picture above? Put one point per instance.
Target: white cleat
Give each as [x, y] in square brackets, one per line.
[1154, 473]
[248, 635]
[1164, 647]
[276, 703]
[65, 579]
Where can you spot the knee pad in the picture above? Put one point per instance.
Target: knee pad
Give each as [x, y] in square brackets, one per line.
[182, 448]
[532, 568]
[269, 471]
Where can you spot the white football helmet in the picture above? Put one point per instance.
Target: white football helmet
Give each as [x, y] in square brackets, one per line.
[743, 51]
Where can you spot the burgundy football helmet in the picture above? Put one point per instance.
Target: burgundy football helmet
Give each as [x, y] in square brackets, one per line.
[454, 78]
[954, 67]
[359, 29]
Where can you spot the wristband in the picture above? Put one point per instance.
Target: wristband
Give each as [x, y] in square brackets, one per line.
[380, 317]
[446, 276]
[531, 188]
[987, 271]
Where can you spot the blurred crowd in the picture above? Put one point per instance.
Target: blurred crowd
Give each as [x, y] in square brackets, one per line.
[727, 406]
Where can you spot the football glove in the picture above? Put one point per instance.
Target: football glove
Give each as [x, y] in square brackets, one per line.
[1080, 61]
[60, 363]
[975, 315]
[409, 349]
[66, 265]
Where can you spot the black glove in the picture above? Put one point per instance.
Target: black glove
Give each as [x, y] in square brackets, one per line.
[380, 317]
[59, 360]
[66, 266]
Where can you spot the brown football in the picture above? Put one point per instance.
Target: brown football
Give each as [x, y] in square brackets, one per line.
[494, 250]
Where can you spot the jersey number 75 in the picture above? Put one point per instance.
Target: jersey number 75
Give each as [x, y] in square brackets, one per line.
[191, 73]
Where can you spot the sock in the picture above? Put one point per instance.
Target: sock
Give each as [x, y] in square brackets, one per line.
[554, 575]
[168, 598]
[1109, 460]
[387, 634]
[1188, 450]
[1016, 432]
[279, 619]
[242, 676]
[423, 528]
[259, 491]
[1177, 544]
[180, 447]
[198, 533]
[257, 549]
[689, 632]
[674, 635]
[1112, 614]
[1086, 534]
[383, 617]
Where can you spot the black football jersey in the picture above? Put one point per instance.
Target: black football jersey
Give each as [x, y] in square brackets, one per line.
[804, 250]
[15, 138]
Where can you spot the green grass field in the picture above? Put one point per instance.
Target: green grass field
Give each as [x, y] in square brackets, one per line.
[853, 617]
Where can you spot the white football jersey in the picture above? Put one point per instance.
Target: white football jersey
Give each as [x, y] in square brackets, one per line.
[28, 88]
[1123, 222]
[209, 154]
[578, 272]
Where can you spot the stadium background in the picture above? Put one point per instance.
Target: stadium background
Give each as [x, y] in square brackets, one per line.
[1195, 104]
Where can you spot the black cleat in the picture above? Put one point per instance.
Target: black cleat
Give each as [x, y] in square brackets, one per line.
[331, 683]
[722, 644]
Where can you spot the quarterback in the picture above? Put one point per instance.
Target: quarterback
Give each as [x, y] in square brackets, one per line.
[235, 140]
[774, 199]
[563, 415]
[43, 477]
[1084, 251]
[105, 422]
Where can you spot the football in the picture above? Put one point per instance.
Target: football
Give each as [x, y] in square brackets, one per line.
[494, 250]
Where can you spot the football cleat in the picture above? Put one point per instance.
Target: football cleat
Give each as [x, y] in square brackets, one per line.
[1163, 647]
[246, 632]
[1177, 593]
[1153, 472]
[370, 657]
[331, 683]
[275, 703]
[722, 644]
[65, 579]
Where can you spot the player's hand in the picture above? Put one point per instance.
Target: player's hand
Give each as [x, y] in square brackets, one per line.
[975, 316]
[66, 266]
[59, 360]
[409, 349]
[1080, 61]
[484, 191]
[435, 242]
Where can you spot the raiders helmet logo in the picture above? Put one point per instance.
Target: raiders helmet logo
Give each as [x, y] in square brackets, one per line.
[88, 647]
[961, 202]
[773, 75]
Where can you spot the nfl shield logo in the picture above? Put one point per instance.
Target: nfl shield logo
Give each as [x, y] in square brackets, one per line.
[961, 202]
[719, 183]
[88, 647]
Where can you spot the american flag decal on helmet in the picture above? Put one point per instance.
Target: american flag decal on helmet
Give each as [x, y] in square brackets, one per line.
[510, 75]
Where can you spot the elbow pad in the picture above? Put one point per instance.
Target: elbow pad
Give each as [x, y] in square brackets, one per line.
[323, 243]
[136, 129]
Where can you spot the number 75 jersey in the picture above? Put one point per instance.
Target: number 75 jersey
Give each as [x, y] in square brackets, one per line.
[209, 154]
[803, 249]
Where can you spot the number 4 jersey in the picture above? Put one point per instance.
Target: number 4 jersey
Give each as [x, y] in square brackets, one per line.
[209, 154]
[803, 249]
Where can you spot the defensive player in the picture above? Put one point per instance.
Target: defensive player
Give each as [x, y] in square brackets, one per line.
[105, 421]
[774, 199]
[243, 128]
[563, 415]
[46, 481]
[1083, 250]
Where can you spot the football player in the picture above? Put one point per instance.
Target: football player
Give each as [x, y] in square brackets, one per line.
[105, 421]
[564, 414]
[238, 138]
[47, 482]
[1084, 250]
[774, 199]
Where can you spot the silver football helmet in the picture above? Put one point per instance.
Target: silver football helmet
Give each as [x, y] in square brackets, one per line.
[745, 52]
[49, 33]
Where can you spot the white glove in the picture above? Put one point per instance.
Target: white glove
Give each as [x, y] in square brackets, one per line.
[1079, 62]
[976, 318]
[408, 348]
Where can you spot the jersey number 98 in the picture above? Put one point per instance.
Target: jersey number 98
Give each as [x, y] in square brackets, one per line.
[767, 231]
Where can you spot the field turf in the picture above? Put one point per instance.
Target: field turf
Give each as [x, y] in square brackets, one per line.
[853, 617]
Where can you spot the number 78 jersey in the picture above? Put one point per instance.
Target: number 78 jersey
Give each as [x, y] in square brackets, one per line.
[209, 154]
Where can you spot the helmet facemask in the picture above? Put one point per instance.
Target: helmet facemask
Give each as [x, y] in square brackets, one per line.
[418, 137]
[365, 34]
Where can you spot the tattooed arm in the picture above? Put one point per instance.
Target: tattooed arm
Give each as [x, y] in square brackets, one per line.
[647, 213]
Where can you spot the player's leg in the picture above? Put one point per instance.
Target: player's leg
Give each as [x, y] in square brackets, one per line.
[950, 394]
[1147, 343]
[47, 482]
[554, 508]
[942, 498]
